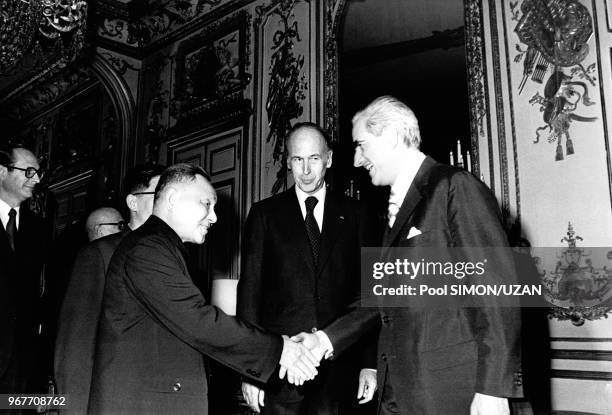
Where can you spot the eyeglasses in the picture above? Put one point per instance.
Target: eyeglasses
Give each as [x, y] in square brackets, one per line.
[121, 224]
[29, 171]
[142, 193]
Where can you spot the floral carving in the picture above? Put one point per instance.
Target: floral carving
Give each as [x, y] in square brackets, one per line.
[286, 87]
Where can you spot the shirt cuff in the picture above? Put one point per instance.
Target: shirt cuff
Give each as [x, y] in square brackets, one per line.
[370, 369]
[325, 343]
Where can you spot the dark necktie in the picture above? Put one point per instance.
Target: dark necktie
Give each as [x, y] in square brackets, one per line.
[314, 235]
[11, 228]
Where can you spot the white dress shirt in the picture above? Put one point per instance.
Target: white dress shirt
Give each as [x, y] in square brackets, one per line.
[4, 214]
[318, 210]
[402, 183]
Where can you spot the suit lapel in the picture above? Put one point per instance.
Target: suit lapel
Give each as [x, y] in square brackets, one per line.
[332, 223]
[291, 219]
[411, 200]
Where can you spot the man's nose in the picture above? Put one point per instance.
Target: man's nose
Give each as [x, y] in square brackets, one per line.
[358, 158]
[307, 167]
[212, 216]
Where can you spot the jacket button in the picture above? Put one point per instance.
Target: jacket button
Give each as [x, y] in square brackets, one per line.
[518, 378]
[257, 374]
[313, 330]
[383, 357]
[386, 319]
[176, 387]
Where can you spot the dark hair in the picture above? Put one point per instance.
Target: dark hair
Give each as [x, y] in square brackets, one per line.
[179, 173]
[310, 126]
[139, 177]
[7, 151]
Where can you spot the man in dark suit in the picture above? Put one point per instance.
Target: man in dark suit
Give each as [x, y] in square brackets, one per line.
[300, 271]
[156, 327]
[23, 246]
[81, 308]
[432, 361]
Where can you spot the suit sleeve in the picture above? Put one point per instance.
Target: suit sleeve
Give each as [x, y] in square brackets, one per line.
[474, 221]
[154, 276]
[77, 325]
[368, 237]
[359, 324]
[250, 283]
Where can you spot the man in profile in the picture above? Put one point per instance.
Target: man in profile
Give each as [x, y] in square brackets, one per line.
[82, 304]
[102, 222]
[23, 246]
[432, 361]
[156, 327]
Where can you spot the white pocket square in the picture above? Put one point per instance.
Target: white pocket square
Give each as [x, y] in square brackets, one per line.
[413, 232]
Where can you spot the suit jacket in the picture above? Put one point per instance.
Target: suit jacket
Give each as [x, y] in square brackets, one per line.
[435, 360]
[156, 328]
[21, 288]
[284, 291]
[78, 321]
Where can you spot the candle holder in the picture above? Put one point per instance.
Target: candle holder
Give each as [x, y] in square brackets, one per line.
[459, 161]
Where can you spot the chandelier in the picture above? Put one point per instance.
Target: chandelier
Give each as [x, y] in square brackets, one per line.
[22, 21]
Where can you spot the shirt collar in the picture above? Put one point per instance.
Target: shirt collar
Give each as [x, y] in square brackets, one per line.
[406, 176]
[319, 194]
[4, 213]
[5, 208]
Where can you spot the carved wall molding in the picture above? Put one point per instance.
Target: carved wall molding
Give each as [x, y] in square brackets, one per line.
[39, 96]
[123, 102]
[334, 12]
[502, 134]
[477, 82]
[140, 34]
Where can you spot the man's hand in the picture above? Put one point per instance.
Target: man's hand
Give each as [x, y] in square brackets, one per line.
[315, 342]
[297, 362]
[367, 385]
[489, 405]
[253, 396]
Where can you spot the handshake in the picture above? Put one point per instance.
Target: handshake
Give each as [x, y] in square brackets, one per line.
[299, 360]
[302, 355]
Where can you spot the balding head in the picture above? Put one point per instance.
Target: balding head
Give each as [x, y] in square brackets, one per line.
[102, 222]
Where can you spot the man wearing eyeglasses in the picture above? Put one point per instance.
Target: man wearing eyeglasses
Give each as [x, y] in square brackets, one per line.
[102, 222]
[22, 255]
[80, 312]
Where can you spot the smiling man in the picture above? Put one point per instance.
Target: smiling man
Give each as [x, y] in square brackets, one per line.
[156, 327]
[432, 361]
[300, 270]
[23, 239]
[82, 304]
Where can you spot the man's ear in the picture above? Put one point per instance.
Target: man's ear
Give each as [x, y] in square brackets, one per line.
[171, 197]
[3, 171]
[330, 153]
[131, 202]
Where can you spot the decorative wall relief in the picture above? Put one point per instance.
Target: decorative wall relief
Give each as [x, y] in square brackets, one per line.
[578, 281]
[58, 86]
[287, 84]
[554, 52]
[153, 20]
[120, 65]
[156, 130]
[211, 67]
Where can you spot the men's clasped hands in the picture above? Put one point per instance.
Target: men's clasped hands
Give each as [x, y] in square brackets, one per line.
[301, 356]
